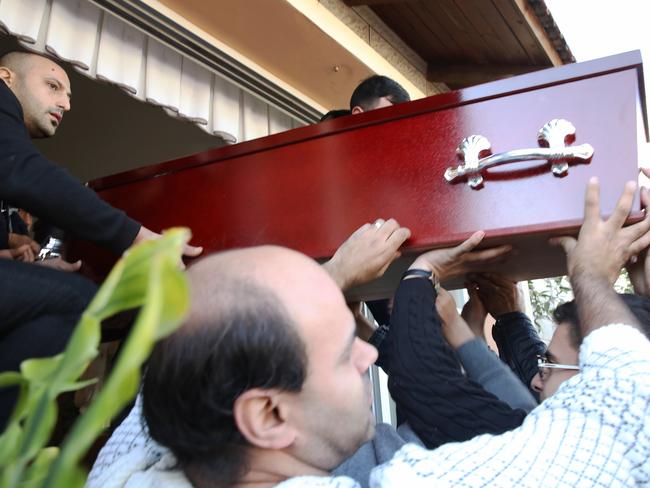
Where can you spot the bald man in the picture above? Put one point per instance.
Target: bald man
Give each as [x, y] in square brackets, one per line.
[38, 306]
[266, 384]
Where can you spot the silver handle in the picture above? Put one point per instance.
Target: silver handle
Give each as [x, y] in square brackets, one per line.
[554, 135]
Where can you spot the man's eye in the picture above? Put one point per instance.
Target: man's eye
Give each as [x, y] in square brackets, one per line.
[53, 86]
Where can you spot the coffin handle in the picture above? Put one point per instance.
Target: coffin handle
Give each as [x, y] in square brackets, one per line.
[554, 137]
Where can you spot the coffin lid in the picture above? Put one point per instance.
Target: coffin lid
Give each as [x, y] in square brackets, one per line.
[496, 89]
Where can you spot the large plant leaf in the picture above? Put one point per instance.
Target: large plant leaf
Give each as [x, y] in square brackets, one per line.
[9, 443]
[39, 426]
[10, 378]
[165, 301]
[37, 471]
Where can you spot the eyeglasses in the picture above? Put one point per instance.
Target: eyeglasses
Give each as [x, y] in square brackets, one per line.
[545, 367]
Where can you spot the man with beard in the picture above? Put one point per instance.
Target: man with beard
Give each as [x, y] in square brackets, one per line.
[39, 306]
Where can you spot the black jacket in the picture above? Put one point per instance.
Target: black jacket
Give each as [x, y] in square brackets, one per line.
[30, 181]
[519, 345]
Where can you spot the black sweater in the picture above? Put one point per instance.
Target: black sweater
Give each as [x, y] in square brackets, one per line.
[519, 345]
[30, 181]
[424, 376]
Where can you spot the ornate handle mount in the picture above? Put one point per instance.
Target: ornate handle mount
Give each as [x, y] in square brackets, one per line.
[475, 153]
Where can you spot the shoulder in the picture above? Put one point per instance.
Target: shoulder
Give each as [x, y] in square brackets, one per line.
[319, 482]
[12, 126]
[412, 466]
[614, 347]
[8, 101]
[129, 451]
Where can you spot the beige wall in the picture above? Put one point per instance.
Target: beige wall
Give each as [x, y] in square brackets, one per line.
[372, 30]
[321, 50]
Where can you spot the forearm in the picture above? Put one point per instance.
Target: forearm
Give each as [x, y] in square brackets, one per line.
[484, 367]
[519, 344]
[598, 303]
[337, 273]
[457, 332]
[32, 182]
[425, 379]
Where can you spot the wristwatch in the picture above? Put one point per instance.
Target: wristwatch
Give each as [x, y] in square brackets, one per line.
[422, 273]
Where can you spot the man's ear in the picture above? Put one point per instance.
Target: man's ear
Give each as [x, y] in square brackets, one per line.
[261, 416]
[357, 110]
[6, 75]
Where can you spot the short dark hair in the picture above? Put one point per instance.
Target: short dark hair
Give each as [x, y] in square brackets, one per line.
[194, 377]
[371, 89]
[568, 313]
[14, 59]
[335, 114]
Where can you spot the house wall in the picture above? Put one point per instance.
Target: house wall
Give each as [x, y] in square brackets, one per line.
[320, 50]
[378, 36]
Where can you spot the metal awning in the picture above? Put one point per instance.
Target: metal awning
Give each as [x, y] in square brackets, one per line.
[106, 47]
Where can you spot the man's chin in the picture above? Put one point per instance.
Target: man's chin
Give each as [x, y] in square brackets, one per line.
[371, 427]
[43, 132]
[49, 129]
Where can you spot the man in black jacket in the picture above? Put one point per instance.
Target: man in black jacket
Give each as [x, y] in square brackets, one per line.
[39, 307]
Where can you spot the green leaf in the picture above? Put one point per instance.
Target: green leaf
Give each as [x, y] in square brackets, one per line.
[175, 299]
[38, 426]
[9, 443]
[20, 408]
[80, 350]
[35, 474]
[77, 385]
[41, 369]
[75, 477]
[165, 300]
[10, 378]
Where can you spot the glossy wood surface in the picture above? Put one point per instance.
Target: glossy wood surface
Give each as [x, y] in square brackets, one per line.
[310, 188]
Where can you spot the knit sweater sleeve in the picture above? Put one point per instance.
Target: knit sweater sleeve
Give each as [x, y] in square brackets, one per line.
[31, 181]
[519, 344]
[425, 378]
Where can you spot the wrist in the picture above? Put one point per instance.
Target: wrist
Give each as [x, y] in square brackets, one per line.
[336, 272]
[506, 316]
[422, 264]
[497, 314]
[420, 273]
[586, 274]
[425, 265]
[429, 266]
[459, 333]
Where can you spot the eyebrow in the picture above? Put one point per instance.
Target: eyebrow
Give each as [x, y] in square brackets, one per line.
[60, 85]
[550, 357]
[348, 346]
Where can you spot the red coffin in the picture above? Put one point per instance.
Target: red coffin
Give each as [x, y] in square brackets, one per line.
[311, 187]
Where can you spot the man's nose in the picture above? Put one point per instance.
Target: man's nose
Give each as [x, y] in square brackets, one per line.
[64, 103]
[536, 383]
[369, 354]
